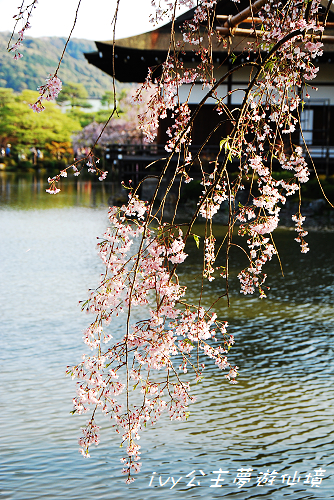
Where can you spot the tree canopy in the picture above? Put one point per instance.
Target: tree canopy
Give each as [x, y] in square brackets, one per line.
[75, 94]
[21, 127]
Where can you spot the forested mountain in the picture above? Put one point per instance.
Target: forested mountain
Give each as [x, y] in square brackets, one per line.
[40, 58]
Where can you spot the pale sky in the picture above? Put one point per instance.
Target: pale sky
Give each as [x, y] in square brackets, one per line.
[55, 18]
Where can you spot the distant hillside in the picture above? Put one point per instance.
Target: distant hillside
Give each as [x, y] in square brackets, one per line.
[40, 58]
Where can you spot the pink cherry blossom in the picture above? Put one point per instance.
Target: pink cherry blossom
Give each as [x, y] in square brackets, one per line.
[49, 91]
[165, 333]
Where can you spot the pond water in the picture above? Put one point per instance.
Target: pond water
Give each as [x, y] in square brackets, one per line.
[277, 419]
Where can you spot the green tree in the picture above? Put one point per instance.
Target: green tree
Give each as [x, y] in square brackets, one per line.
[75, 94]
[23, 128]
[108, 98]
[6, 96]
[83, 117]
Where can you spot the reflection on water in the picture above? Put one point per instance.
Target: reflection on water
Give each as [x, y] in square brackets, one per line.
[27, 191]
[279, 418]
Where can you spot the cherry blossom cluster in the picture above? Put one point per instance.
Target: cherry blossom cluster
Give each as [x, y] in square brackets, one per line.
[299, 219]
[163, 99]
[261, 250]
[168, 10]
[49, 92]
[140, 272]
[209, 257]
[16, 46]
[179, 131]
[268, 114]
[211, 199]
[25, 12]
[90, 161]
[174, 75]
